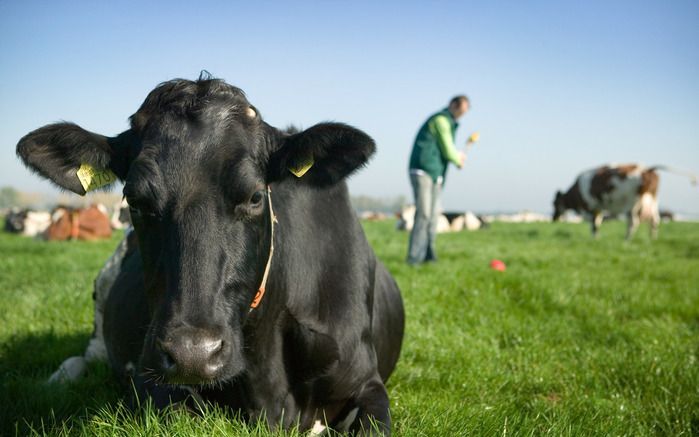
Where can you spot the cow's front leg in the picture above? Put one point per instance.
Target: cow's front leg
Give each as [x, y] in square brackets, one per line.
[372, 410]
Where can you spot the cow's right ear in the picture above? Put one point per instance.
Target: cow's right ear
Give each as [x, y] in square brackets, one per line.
[58, 151]
[322, 155]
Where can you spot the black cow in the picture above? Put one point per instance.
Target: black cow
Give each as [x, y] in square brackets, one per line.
[218, 215]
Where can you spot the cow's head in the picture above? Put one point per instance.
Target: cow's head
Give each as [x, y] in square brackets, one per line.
[196, 163]
[15, 220]
[559, 206]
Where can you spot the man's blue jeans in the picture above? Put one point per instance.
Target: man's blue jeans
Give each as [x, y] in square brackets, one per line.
[427, 195]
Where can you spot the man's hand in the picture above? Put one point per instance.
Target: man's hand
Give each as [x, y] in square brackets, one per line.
[462, 159]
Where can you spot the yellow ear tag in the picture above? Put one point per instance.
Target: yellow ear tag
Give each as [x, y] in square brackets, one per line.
[91, 178]
[301, 168]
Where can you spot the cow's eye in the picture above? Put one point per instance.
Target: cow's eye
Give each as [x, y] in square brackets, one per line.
[140, 209]
[257, 198]
[140, 213]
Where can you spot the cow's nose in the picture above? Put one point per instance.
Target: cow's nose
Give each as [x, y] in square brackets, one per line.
[191, 356]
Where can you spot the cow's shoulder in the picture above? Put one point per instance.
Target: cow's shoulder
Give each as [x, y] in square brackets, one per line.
[600, 181]
[309, 350]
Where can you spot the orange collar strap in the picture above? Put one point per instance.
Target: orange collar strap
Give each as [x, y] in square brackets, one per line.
[272, 220]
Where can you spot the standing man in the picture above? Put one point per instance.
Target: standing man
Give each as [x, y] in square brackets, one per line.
[433, 150]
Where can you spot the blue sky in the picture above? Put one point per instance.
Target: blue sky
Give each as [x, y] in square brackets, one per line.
[557, 87]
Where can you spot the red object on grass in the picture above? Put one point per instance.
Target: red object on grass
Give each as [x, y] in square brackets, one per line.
[496, 264]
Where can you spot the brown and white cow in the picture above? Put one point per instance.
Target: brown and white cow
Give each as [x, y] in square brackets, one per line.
[91, 223]
[629, 189]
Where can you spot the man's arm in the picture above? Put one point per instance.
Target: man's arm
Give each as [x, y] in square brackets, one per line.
[441, 129]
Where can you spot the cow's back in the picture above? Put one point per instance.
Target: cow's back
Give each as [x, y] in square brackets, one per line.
[388, 321]
[614, 189]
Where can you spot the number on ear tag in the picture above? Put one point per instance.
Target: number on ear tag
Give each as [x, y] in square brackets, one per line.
[91, 178]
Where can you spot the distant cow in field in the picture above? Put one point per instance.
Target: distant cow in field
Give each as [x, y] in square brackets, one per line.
[629, 189]
[26, 222]
[252, 284]
[446, 222]
[91, 223]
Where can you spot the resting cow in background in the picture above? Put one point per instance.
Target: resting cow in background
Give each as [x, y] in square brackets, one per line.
[91, 223]
[629, 189]
[253, 285]
[26, 222]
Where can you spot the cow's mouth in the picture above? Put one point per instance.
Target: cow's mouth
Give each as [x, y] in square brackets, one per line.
[206, 375]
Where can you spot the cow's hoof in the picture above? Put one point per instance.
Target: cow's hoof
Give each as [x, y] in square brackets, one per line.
[70, 370]
[318, 430]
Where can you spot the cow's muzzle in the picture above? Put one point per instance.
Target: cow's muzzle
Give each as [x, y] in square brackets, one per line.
[192, 356]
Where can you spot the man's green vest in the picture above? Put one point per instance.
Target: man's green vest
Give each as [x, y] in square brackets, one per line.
[427, 155]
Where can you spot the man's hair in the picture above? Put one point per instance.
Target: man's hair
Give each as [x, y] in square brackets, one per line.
[456, 100]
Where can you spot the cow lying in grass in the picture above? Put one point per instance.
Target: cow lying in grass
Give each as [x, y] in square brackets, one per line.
[91, 223]
[26, 222]
[251, 283]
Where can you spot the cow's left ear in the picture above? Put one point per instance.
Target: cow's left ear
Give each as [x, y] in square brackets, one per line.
[321, 155]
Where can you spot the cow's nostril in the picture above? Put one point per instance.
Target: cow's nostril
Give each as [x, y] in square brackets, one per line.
[168, 362]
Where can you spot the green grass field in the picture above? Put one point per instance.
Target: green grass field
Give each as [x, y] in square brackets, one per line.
[577, 337]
